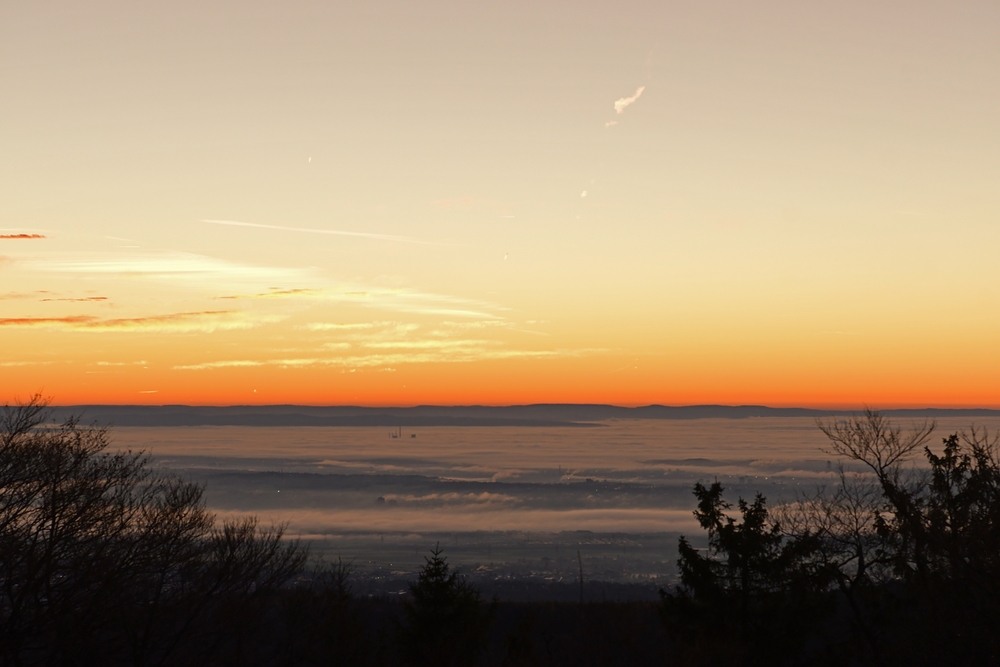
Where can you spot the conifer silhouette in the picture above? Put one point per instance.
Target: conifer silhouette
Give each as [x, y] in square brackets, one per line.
[446, 620]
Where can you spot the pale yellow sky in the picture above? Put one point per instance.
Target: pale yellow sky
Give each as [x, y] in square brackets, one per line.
[800, 205]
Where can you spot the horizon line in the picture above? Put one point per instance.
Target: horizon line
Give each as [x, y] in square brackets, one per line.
[637, 406]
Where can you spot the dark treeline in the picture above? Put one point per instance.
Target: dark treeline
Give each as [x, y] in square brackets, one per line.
[894, 565]
[105, 561]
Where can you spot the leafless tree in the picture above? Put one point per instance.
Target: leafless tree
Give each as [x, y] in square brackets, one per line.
[884, 448]
[873, 440]
[844, 520]
[110, 556]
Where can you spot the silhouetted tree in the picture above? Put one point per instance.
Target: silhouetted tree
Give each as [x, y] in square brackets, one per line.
[939, 530]
[910, 555]
[103, 559]
[874, 441]
[446, 620]
[734, 597]
[844, 521]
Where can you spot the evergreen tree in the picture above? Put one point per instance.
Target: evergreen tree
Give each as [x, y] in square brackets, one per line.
[754, 594]
[446, 621]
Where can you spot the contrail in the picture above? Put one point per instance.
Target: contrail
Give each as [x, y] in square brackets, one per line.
[625, 101]
[333, 232]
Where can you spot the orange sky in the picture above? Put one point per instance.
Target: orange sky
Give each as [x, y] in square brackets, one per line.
[624, 203]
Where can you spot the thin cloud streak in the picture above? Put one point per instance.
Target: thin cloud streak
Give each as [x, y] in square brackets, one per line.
[624, 102]
[331, 232]
[391, 360]
[476, 325]
[429, 344]
[398, 300]
[276, 294]
[388, 331]
[166, 266]
[83, 299]
[329, 326]
[201, 322]
[199, 271]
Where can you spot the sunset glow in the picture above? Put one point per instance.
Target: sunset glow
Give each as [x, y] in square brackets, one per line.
[390, 204]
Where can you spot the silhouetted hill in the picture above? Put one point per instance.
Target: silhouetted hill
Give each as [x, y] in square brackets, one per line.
[554, 414]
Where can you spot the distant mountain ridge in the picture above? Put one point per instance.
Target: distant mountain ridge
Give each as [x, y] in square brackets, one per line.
[543, 414]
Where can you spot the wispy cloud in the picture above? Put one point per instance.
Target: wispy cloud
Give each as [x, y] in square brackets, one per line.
[199, 271]
[276, 294]
[204, 322]
[171, 266]
[46, 322]
[426, 303]
[390, 331]
[430, 344]
[462, 355]
[332, 232]
[330, 326]
[81, 299]
[392, 336]
[400, 300]
[481, 324]
[245, 363]
[448, 327]
[25, 363]
[234, 363]
[22, 236]
[623, 103]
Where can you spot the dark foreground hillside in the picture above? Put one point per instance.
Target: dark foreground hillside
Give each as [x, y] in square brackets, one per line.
[368, 632]
[298, 627]
[105, 560]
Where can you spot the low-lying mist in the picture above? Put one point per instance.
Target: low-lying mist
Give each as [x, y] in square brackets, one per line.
[522, 494]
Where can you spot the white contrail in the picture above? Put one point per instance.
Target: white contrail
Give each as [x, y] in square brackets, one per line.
[621, 104]
[334, 232]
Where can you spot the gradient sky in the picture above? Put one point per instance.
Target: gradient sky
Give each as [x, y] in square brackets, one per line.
[466, 202]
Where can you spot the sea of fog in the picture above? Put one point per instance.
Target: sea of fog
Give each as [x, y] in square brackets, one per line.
[506, 502]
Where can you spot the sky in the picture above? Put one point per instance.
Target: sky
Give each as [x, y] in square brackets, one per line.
[452, 202]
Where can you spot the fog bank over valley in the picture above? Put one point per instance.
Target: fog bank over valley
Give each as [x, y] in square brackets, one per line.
[504, 501]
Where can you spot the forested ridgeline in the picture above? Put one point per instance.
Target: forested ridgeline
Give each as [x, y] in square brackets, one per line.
[106, 561]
